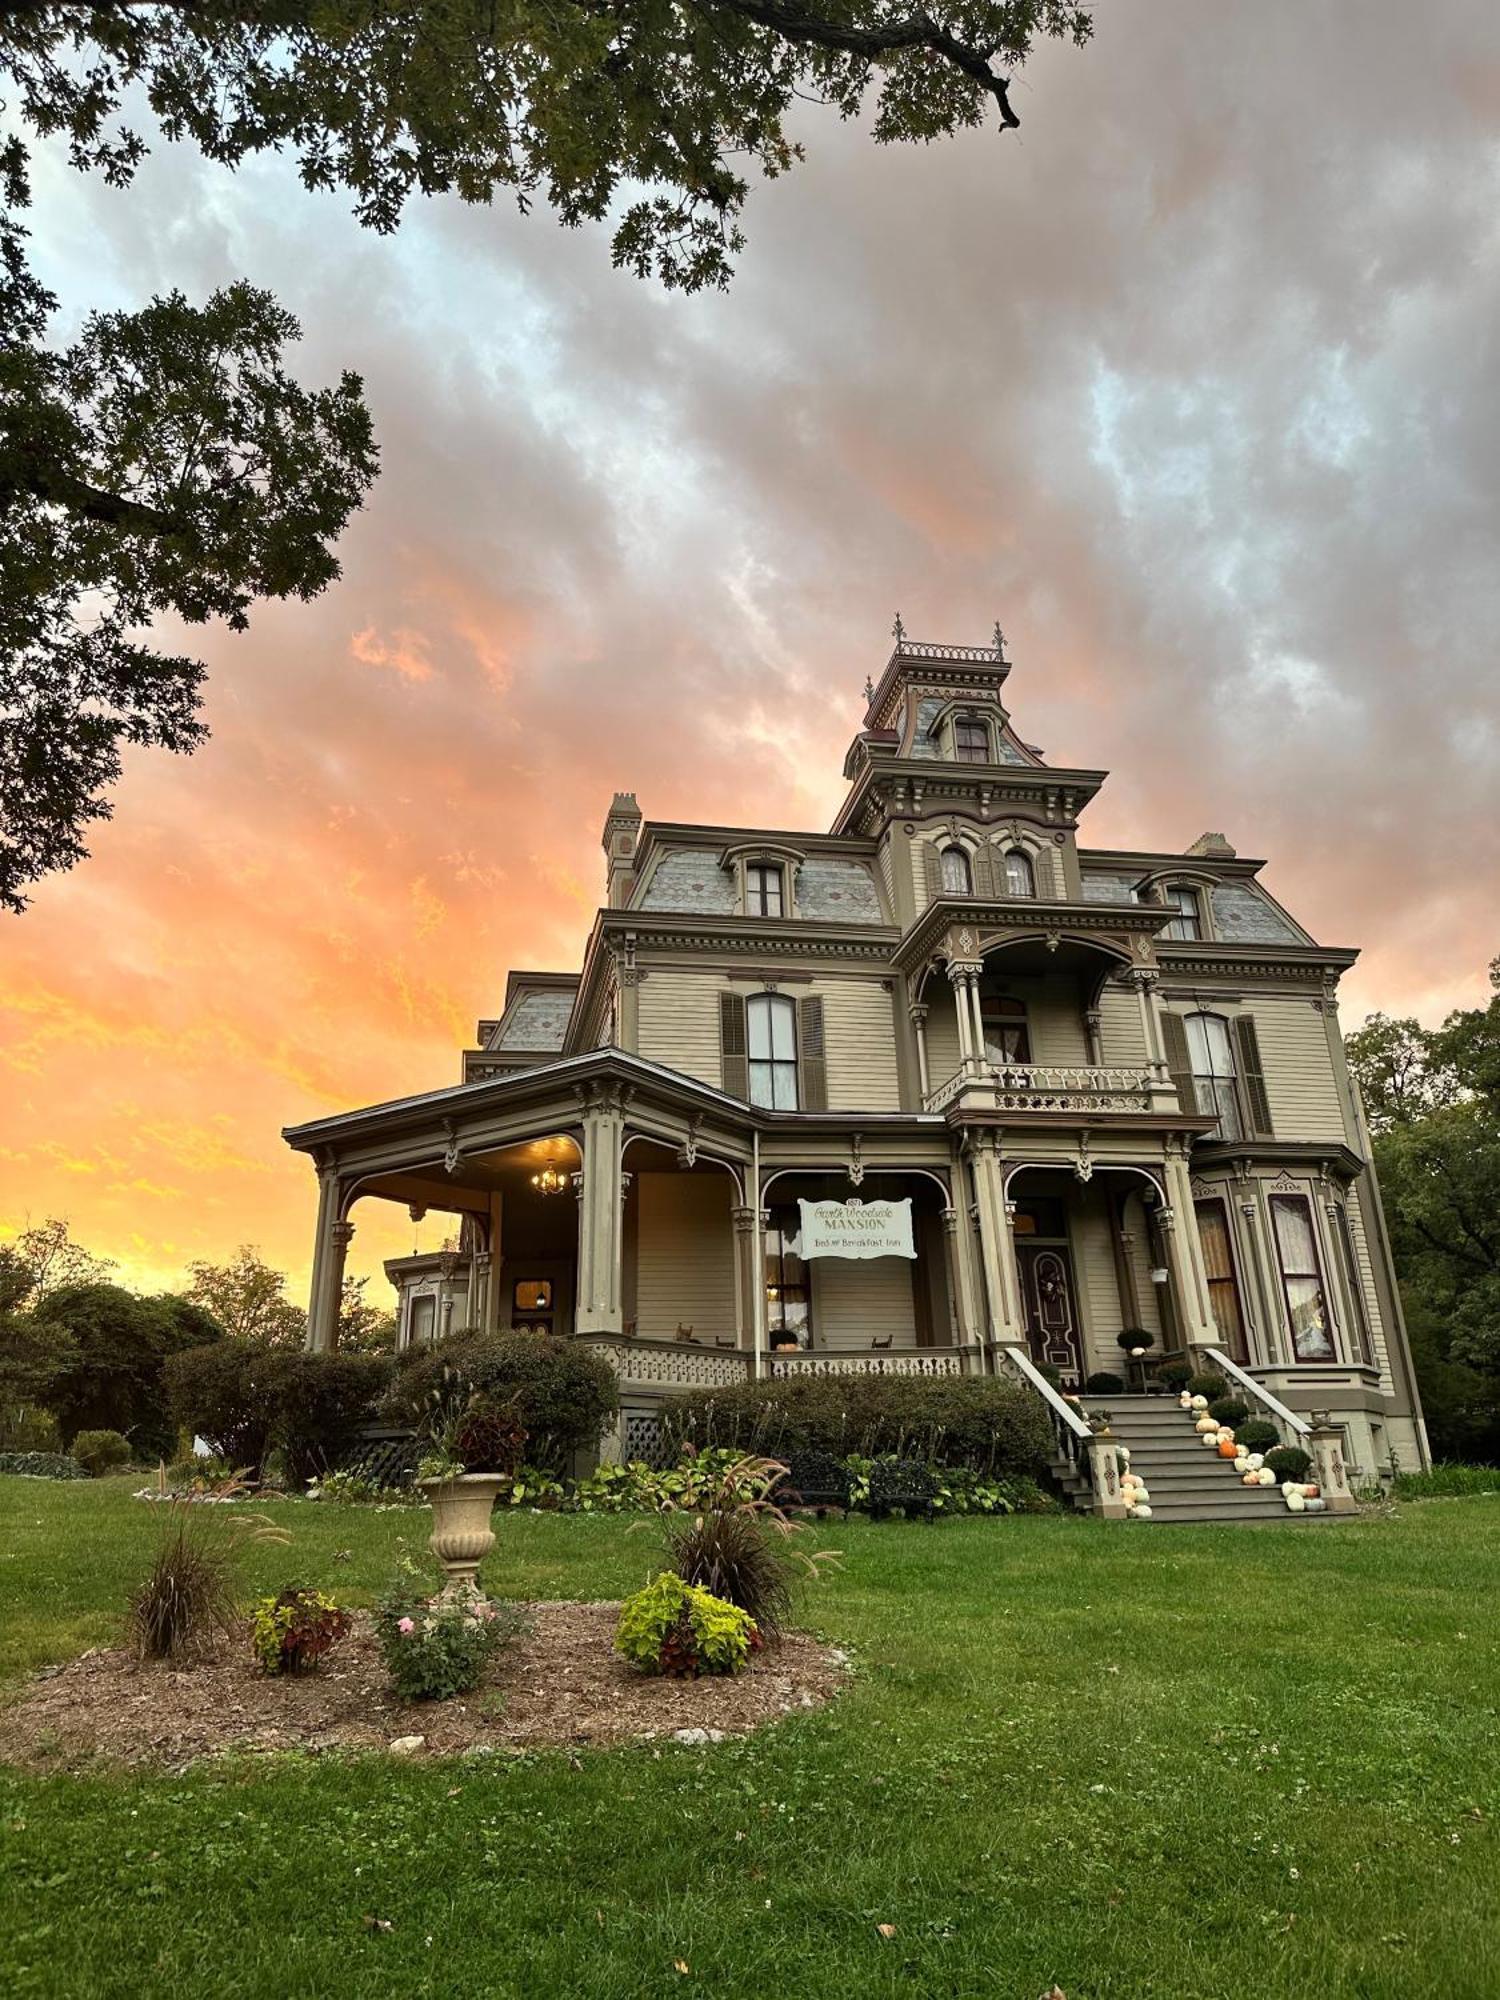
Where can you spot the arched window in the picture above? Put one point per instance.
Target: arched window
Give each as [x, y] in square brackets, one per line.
[971, 739]
[771, 1031]
[1211, 1055]
[1005, 1037]
[1187, 924]
[957, 881]
[1019, 879]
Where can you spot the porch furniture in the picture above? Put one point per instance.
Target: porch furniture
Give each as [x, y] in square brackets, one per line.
[814, 1479]
[902, 1485]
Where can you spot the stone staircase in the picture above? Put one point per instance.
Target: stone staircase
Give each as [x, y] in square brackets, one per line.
[1186, 1482]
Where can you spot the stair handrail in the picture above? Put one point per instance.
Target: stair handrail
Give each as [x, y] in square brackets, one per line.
[1059, 1407]
[1295, 1424]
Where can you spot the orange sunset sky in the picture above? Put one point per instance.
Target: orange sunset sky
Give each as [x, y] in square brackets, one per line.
[1190, 383]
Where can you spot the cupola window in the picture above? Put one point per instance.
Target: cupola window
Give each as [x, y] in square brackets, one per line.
[1187, 924]
[957, 879]
[971, 739]
[763, 890]
[1019, 878]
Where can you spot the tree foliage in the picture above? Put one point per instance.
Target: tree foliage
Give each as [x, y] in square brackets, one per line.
[1433, 1098]
[111, 1347]
[247, 1296]
[167, 463]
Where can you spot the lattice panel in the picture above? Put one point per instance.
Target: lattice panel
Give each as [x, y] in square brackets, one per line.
[643, 1439]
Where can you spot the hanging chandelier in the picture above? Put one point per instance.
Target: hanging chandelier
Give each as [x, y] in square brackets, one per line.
[549, 1181]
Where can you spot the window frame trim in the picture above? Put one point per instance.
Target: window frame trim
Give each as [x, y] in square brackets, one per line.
[1318, 1273]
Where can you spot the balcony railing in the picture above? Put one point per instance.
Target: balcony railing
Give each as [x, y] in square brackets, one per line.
[1050, 1087]
[885, 1361]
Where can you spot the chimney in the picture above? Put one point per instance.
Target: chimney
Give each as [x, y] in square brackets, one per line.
[622, 829]
[1212, 843]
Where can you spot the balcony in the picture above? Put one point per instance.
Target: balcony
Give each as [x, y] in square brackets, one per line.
[1067, 1088]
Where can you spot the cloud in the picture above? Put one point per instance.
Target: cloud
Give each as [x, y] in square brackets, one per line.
[1190, 383]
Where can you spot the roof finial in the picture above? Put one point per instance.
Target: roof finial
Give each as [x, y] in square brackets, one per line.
[869, 690]
[898, 630]
[1000, 644]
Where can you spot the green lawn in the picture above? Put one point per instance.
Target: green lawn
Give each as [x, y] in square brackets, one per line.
[1135, 1760]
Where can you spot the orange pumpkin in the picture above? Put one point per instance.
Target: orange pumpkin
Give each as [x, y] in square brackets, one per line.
[1228, 1448]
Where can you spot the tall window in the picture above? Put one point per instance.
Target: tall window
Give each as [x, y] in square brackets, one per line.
[971, 739]
[788, 1293]
[763, 889]
[1019, 879]
[771, 1030]
[1005, 1036]
[423, 1318]
[1344, 1237]
[956, 878]
[1211, 1055]
[1188, 922]
[1302, 1278]
[1223, 1290]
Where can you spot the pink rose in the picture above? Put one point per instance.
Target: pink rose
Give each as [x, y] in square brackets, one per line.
[405, 1625]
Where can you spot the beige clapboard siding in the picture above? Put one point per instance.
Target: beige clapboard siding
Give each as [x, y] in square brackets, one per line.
[855, 1301]
[1094, 1264]
[1054, 1018]
[941, 1031]
[684, 1255]
[1378, 1340]
[1120, 1031]
[1298, 1064]
[679, 1026]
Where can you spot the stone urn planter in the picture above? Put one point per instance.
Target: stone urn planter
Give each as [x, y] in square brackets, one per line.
[461, 1533]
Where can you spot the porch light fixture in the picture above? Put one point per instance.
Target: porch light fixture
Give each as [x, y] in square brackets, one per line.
[549, 1181]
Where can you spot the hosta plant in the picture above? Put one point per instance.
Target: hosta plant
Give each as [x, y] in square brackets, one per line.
[291, 1632]
[674, 1628]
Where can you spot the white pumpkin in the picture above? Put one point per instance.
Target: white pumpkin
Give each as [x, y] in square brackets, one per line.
[1296, 1503]
[1184, 1401]
[1288, 1489]
[1226, 1435]
[1319, 1506]
[1257, 1460]
[1211, 1439]
[1207, 1424]
[1141, 1495]
[1266, 1476]
[1200, 1402]
[1242, 1462]
[1124, 1453]
[1143, 1513]
[1250, 1479]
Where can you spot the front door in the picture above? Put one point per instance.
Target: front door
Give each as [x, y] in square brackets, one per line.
[1052, 1332]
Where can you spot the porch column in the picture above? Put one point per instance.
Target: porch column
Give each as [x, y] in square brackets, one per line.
[963, 1317]
[1093, 1035]
[490, 1319]
[1179, 1221]
[958, 978]
[919, 1029]
[1007, 1321]
[1122, 1244]
[334, 1238]
[743, 1218]
[601, 1200]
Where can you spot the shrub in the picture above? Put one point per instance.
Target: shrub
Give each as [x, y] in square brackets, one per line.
[318, 1402]
[435, 1648]
[41, 1465]
[291, 1632]
[27, 1427]
[738, 1546]
[564, 1395]
[100, 1451]
[1103, 1383]
[1208, 1382]
[489, 1436]
[984, 1422]
[1289, 1461]
[672, 1627]
[1135, 1336]
[1258, 1435]
[222, 1393]
[1175, 1374]
[1231, 1410]
[1447, 1480]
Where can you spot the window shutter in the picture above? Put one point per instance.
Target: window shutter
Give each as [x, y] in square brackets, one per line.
[932, 861]
[982, 869]
[733, 1055]
[1179, 1062]
[812, 1055]
[1257, 1104]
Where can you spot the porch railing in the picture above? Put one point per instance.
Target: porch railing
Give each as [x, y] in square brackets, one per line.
[1049, 1087]
[1288, 1419]
[888, 1361]
[671, 1364]
[1069, 1430]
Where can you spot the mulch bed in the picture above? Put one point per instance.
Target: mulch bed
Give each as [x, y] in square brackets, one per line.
[561, 1684]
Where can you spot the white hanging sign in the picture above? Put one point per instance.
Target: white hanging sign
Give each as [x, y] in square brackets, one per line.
[857, 1228]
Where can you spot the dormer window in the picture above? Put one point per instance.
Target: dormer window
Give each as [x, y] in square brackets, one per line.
[971, 739]
[1019, 877]
[1187, 924]
[957, 879]
[764, 895]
